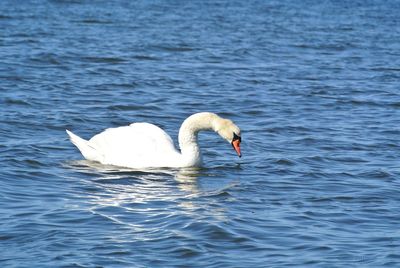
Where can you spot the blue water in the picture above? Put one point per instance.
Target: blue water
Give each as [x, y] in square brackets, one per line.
[314, 86]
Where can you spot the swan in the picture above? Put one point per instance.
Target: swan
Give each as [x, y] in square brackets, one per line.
[144, 145]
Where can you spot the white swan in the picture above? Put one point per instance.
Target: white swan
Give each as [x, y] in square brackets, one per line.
[144, 145]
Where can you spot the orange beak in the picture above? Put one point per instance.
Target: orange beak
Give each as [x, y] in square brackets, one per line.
[236, 146]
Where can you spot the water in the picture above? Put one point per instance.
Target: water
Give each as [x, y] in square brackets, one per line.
[313, 86]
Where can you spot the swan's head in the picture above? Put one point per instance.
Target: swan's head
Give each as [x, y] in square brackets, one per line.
[230, 132]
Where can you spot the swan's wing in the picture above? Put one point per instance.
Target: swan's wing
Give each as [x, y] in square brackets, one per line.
[136, 145]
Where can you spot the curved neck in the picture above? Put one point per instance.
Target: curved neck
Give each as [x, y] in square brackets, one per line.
[189, 131]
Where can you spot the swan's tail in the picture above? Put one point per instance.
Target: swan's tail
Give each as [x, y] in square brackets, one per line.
[86, 150]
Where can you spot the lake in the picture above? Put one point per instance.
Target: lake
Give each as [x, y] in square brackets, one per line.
[313, 85]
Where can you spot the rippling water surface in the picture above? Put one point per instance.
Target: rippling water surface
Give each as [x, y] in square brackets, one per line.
[314, 86]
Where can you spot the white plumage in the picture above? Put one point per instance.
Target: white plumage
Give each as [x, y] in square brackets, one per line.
[142, 145]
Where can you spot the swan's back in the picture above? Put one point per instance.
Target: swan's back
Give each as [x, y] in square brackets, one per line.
[136, 145]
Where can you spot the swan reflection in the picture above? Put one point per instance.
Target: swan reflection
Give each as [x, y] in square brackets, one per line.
[150, 184]
[152, 193]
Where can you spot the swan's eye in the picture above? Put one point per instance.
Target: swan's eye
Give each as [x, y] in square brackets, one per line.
[236, 137]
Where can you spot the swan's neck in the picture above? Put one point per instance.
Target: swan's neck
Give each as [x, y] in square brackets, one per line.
[188, 135]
